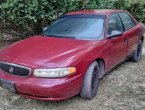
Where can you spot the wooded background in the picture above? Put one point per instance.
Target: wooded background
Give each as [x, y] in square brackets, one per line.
[24, 18]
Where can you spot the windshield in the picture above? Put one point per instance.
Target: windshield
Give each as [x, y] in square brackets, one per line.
[77, 27]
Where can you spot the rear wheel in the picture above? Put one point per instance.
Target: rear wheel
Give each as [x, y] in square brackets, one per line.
[91, 82]
[137, 54]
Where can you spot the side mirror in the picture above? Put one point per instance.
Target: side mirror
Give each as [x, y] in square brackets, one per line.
[115, 34]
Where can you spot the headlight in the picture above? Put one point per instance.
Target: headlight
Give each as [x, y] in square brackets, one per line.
[53, 73]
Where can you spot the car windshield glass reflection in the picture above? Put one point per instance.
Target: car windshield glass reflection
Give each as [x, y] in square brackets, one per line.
[78, 28]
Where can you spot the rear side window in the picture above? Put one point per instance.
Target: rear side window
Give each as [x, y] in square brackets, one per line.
[127, 21]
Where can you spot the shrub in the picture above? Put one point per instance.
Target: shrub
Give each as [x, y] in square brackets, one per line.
[135, 7]
[27, 17]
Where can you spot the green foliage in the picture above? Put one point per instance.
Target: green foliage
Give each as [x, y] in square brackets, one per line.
[27, 17]
[135, 7]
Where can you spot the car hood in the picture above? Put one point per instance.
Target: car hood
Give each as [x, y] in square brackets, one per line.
[42, 52]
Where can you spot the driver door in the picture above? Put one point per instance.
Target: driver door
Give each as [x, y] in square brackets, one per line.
[117, 50]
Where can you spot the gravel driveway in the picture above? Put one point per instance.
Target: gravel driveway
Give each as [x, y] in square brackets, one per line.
[122, 89]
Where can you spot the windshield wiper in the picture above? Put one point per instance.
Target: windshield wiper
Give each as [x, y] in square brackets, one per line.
[43, 35]
[59, 36]
[66, 37]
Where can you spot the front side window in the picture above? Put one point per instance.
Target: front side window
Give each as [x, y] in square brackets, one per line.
[115, 24]
[127, 21]
[77, 28]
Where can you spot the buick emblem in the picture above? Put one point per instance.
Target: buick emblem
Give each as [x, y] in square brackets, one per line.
[11, 69]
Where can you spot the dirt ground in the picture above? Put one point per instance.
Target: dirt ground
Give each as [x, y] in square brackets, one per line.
[122, 89]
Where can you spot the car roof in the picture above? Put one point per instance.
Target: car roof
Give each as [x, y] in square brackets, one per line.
[100, 12]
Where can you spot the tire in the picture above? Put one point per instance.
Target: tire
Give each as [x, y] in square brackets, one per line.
[137, 54]
[91, 82]
[102, 69]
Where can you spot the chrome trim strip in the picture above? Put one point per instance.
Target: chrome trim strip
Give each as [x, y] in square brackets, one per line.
[30, 70]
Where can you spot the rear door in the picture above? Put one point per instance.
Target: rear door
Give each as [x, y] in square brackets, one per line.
[131, 30]
[117, 50]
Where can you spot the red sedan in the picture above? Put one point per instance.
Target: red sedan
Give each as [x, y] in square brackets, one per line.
[71, 55]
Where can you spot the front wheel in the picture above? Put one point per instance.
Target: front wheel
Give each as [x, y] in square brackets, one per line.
[91, 82]
[137, 54]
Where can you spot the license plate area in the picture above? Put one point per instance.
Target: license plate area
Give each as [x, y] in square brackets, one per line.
[8, 85]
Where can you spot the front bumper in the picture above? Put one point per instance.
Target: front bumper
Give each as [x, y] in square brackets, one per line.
[45, 89]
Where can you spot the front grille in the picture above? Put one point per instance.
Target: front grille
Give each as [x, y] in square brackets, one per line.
[14, 69]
